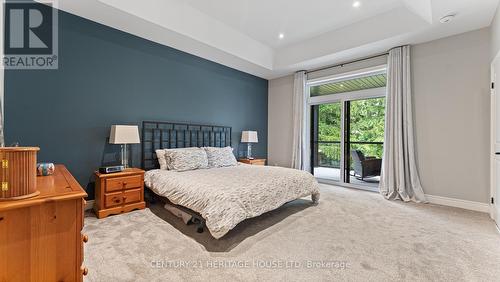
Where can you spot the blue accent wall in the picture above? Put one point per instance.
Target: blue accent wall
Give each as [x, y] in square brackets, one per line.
[108, 77]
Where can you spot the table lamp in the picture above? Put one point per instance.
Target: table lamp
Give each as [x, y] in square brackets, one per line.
[123, 135]
[249, 137]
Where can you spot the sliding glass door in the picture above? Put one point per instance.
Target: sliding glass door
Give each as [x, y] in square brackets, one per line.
[326, 141]
[347, 129]
[364, 141]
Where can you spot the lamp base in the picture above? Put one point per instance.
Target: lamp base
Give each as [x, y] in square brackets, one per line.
[249, 151]
[124, 156]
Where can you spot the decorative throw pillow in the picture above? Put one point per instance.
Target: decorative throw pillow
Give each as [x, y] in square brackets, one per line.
[220, 157]
[189, 159]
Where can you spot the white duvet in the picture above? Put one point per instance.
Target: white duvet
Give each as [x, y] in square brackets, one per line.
[226, 196]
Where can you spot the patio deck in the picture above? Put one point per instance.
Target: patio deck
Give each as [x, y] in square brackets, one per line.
[334, 174]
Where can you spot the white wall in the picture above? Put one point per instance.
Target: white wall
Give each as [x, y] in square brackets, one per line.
[451, 100]
[452, 115]
[279, 136]
[495, 35]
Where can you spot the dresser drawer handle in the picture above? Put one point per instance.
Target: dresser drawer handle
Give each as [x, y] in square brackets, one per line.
[124, 183]
[85, 270]
[117, 200]
[85, 238]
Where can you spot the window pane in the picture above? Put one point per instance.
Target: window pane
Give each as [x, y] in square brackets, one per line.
[329, 122]
[368, 120]
[326, 146]
[356, 84]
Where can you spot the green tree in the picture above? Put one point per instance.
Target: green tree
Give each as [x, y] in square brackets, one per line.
[329, 125]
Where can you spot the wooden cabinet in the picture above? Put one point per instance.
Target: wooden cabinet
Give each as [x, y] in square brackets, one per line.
[40, 237]
[253, 161]
[119, 192]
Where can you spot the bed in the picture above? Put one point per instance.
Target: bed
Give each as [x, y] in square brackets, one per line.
[219, 198]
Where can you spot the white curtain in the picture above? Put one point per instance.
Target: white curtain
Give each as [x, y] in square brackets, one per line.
[299, 111]
[399, 176]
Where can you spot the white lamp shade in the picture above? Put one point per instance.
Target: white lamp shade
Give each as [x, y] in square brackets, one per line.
[249, 137]
[124, 134]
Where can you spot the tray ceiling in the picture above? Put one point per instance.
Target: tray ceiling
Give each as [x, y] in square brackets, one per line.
[244, 34]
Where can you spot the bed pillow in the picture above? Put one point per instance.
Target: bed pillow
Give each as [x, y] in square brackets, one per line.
[220, 157]
[160, 155]
[163, 156]
[168, 154]
[187, 159]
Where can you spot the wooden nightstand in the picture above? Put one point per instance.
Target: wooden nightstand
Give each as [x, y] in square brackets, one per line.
[253, 161]
[119, 192]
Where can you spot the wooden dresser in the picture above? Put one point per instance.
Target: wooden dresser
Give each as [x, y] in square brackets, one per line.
[40, 237]
[119, 192]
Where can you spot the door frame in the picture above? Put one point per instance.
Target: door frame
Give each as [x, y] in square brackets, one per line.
[493, 117]
[340, 98]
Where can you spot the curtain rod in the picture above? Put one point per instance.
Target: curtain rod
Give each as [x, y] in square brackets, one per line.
[348, 63]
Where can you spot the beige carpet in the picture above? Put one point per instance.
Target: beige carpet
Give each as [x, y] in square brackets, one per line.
[351, 235]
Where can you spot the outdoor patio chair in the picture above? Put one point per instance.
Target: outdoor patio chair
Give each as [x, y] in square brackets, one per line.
[365, 166]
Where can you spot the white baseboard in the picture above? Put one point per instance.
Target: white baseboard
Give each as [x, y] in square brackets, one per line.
[89, 205]
[438, 200]
[458, 203]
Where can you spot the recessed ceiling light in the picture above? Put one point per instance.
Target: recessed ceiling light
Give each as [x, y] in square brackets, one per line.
[356, 4]
[281, 36]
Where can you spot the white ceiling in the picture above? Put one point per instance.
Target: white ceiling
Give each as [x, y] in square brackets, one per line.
[264, 20]
[244, 34]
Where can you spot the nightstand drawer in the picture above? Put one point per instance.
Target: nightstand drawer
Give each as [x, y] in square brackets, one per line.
[120, 183]
[113, 199]
[132, 196]
[253, 161]
[258, 162]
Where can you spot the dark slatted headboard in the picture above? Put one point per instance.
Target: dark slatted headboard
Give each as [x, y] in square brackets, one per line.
[167, 135]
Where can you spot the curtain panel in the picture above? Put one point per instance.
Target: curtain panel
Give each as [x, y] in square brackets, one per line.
[299, 123]
[399, 176]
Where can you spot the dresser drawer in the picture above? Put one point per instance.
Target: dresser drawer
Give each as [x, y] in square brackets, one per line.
[113, 199]
[132, 196]
[120, 183]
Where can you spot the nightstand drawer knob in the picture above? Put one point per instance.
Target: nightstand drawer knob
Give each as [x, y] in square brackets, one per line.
[85, 238]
